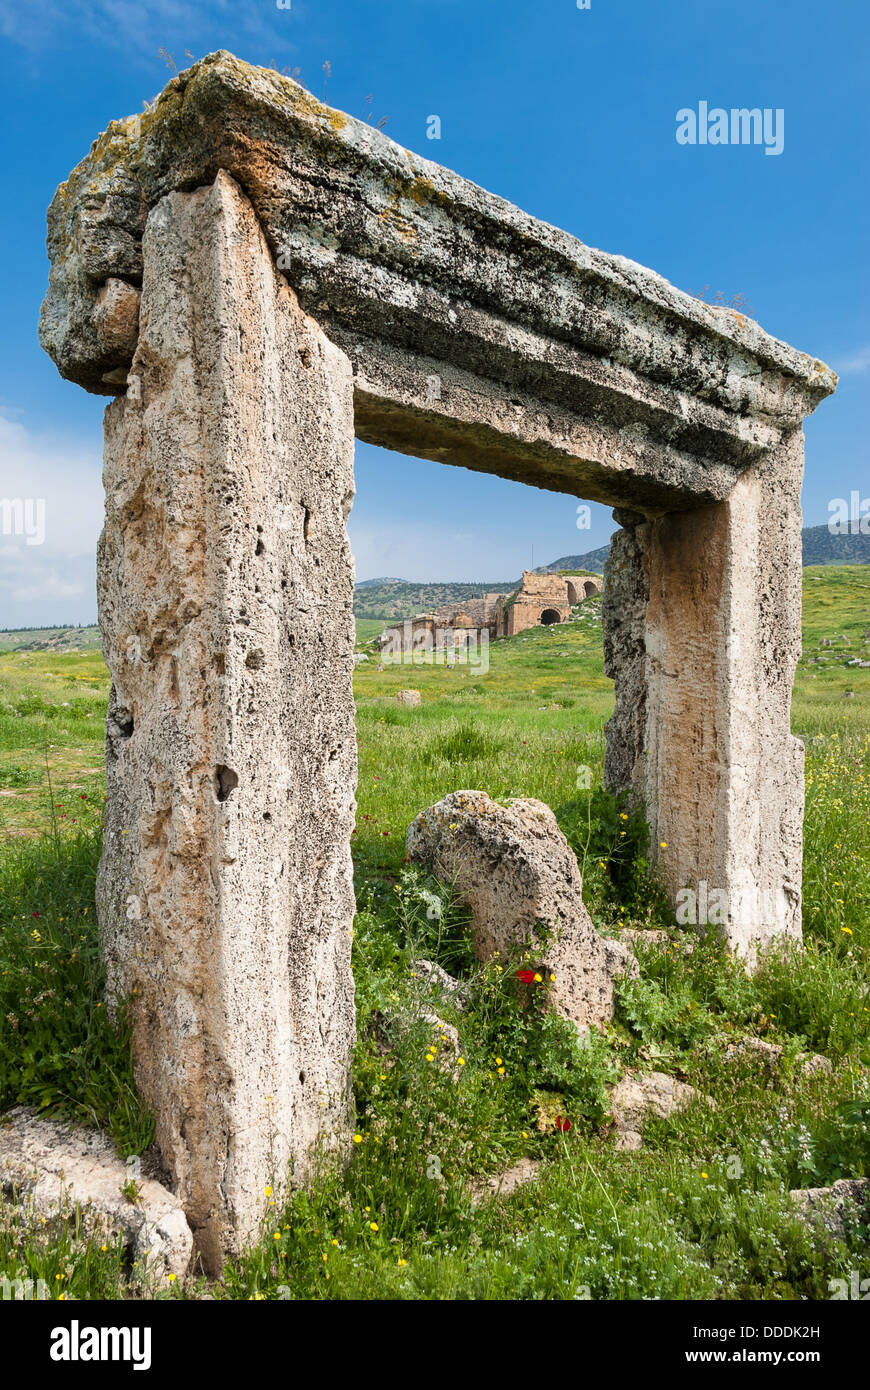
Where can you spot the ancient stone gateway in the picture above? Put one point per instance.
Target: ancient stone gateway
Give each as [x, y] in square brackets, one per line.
[304, 279]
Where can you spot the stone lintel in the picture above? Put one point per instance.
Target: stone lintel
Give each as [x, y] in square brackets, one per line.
[514, 346]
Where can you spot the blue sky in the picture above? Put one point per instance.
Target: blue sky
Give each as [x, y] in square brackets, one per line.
[569, 113]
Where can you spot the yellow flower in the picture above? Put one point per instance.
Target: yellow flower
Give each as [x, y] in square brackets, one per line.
[402, 1263]
[335, 1242]
[357, 1138]
[498, 1061]
[373, 1226]
[277, 1235]
[268, 1191]
[171, 1278]
[663, 844]
[461, 1061]
[848, 931]
[704, 1176]
[538, 979]
[501, 1071]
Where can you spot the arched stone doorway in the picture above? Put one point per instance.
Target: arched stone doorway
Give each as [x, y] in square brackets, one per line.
[549, 616]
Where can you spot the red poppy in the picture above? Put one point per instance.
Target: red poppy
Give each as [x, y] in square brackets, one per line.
[563, 1125]
[526, 976]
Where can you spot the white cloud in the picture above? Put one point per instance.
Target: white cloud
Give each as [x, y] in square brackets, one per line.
[858, 362]
[141, 29]
[53, 581]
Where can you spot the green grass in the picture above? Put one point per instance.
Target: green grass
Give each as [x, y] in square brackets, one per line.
[51, 638]
[367, 628]
[701, 1211]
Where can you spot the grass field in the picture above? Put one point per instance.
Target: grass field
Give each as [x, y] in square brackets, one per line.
[700, 1212]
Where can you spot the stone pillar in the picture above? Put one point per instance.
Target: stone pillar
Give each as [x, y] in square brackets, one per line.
[702, 638]
[225, 589]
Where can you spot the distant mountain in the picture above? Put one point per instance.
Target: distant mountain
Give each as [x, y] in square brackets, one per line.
[821, 548]
[593, 560]
[50, 639]
[399, 599]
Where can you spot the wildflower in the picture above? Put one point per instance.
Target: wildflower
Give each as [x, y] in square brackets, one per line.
[277, 1235]
[357, 1138]
[373, 1226]
[539, 979]
[268, 1191]
[461, 1061]
[171, 1278]
[402, 1263]
[704, 1176]
[563, 1125]
[526, 977]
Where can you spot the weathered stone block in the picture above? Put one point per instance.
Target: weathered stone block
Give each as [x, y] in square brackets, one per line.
[56, 1172]
[225, 892]
[519, 876]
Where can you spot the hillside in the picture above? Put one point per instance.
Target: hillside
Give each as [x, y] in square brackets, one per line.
[51, 639]
[821, 548]
[593, 560]
[398, 598]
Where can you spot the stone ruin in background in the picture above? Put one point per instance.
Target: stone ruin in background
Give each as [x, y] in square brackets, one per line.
[255, 279]
[539, 600]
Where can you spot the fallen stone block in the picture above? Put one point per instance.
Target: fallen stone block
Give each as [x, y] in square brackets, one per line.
[829, 1211]
[437, 980]
[506, 1183]
[639, 1094]
[811, 1063]
[50, 1168]
[514, 869]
